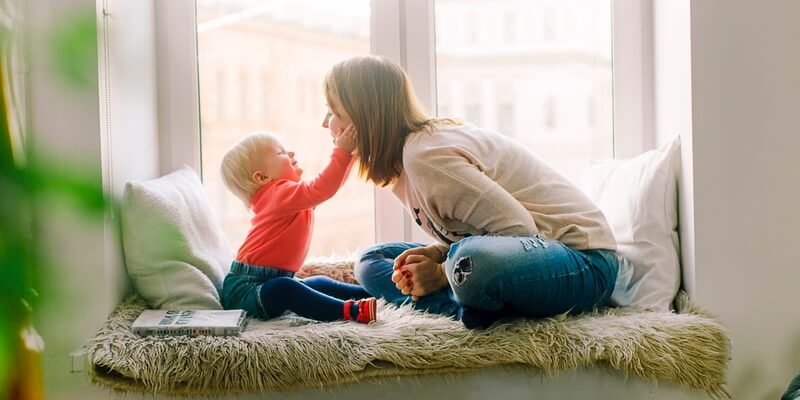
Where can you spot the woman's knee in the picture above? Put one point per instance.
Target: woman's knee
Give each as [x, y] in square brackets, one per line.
[466, 271]
[367, 270]
[385, 250]
[371, 252]
[464, 248]
[459, 265]
[375, 260]
[364, 266]
[360, 270]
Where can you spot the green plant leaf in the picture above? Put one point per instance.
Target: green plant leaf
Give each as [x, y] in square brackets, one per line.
[72, 44]
[7, 351]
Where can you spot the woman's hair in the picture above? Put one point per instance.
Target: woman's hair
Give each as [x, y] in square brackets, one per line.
[241, 160]
[377, 95]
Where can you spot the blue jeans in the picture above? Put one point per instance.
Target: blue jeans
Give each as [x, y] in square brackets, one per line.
[531, 276]
[269, 292]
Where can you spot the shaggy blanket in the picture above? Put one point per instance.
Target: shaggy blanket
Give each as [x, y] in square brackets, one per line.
[688, 348]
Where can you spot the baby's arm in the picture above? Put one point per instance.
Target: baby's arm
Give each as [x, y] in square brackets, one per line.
[303, 195]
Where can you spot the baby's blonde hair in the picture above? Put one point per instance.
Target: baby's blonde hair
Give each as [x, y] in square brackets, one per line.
[241, 161]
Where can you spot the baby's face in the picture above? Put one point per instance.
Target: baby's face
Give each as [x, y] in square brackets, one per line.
[280, 164]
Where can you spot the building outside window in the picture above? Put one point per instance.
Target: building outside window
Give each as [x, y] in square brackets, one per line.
[548, 71]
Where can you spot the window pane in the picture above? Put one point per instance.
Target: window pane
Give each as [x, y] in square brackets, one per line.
[536, 70]
[261, 66]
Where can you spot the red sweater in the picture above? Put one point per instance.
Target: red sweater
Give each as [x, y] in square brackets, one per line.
[280, 231]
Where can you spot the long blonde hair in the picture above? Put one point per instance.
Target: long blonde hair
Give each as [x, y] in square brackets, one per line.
[377, 95]
[241, 160]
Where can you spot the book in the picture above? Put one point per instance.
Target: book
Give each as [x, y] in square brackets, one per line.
[190, 323]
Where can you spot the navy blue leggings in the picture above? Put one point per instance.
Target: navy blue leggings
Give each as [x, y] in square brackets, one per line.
[318, 297]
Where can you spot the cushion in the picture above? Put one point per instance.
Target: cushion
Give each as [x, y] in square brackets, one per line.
[687, 348]
[175, 250]
[639, 198]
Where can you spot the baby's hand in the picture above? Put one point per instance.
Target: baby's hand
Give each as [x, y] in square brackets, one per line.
[347, 139]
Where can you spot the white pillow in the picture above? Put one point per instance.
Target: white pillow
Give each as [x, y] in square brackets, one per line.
[639, 199]
[175, 251]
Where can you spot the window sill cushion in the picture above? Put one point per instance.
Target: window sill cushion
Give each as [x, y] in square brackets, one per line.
[688, 348]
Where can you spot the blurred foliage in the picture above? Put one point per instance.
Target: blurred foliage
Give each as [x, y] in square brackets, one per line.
[23, 182]
[72, 46]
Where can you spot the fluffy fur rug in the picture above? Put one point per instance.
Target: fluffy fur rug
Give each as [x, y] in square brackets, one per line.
[688, 348]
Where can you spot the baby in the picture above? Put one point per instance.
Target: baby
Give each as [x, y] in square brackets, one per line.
[261, 281]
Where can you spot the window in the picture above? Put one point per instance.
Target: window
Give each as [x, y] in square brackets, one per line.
[263, 108]
[510, 26]
[548, 23]
[505, 96]
[219, 97]
[544, 106]
[505, 119]
[449, 45]
[244, 101]
[550, 114]
[472, 104]
[252, 51]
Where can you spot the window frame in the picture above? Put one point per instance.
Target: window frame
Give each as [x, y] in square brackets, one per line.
[178, 85]
[632, 61]
[403, 31]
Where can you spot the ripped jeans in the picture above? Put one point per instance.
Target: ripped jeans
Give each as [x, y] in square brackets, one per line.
[531, 276]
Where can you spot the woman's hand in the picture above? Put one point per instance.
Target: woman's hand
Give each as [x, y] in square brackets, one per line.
[346, 140]
[417, 271]
[431, 251]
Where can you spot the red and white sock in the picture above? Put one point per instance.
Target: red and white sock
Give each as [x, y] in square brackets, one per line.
[365, 310]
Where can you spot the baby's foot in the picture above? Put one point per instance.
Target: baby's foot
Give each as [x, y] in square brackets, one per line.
[367, 310]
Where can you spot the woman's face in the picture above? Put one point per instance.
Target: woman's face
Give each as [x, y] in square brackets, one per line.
[336, 119]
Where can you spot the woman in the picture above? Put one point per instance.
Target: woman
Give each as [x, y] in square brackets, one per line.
[513, 236]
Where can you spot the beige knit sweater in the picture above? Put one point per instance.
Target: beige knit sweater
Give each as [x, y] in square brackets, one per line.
[462, 180]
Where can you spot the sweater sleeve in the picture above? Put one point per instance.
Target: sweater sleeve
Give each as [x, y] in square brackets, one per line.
[456, 189]
[309, 194]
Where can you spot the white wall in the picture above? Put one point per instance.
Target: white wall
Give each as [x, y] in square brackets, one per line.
[745, 66]
[727, 81]
[109, 126]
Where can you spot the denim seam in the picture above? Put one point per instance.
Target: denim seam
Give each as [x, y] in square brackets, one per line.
[575, 273]
[258, 299]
